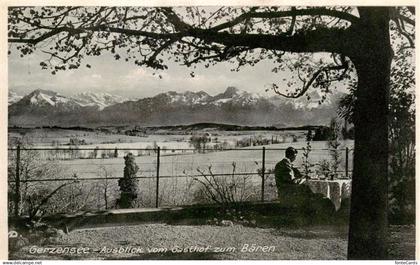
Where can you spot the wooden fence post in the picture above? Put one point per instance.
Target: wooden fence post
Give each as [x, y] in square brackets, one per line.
[347, 162]
[157, 177]
[263, 175]
[17, 183]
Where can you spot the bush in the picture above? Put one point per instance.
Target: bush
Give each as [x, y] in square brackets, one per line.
[322, 134]
[306, 163]
[334, 144]
[402, 153]
[32, 167]
[324, 168]
[199, 142]
[224, 190]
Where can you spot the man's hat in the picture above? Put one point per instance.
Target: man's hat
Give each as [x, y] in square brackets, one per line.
[291, 151]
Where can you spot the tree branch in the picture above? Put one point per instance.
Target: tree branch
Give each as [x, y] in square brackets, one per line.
[395, 15]
[314, 77]
[152, 59]
[127, 19]
[294, 12]
[33, 24]
[174, 19]
[406, 19]
[35, 211]
[402, 31]
[47, 35]
[93, 18]
[201, 58]
[318, 40]
[61, 14]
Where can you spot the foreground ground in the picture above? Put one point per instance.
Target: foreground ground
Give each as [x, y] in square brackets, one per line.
[162, 241]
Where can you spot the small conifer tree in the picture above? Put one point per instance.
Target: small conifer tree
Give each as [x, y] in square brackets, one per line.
[128, 184]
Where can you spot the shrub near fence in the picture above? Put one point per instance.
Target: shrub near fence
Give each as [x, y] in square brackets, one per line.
[165, 178]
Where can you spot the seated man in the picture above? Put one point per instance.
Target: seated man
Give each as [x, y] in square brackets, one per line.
[289, 180]
[292, 191]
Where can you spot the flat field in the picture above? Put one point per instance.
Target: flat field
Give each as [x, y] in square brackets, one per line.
[179, 170]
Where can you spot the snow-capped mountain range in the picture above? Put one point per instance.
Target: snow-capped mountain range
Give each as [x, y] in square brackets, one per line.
[100, 100]
[40, 97]
[232, 106]
[231, 94]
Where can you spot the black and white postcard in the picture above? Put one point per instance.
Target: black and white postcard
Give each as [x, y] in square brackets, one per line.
[259, 131]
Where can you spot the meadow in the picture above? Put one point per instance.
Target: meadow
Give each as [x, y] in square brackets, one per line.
[51, 137]
[247, 160]
[180, 171]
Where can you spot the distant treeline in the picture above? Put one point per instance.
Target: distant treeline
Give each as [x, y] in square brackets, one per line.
[321, 133]
[233, 127]
[77, 128]
[196, 126]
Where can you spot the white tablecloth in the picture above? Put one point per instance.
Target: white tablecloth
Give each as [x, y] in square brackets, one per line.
[335, 190]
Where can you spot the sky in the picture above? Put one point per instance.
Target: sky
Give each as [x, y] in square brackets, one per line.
[132, 81]
[127, 79]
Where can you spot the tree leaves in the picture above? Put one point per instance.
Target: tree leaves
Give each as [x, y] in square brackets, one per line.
[148, 36]
[88, 29]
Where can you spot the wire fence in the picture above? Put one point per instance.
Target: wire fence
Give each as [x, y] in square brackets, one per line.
[166, 176]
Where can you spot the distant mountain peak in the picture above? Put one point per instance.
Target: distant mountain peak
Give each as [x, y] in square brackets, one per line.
[43, 91]
[235, 96]
[45, 97]
[231, 91]
[187, 97]
[99, 100]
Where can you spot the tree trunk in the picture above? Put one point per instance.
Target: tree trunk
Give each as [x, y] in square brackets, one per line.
[369, 200]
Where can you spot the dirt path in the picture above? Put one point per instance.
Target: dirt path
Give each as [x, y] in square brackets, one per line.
[162, 241]
[200, 242]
